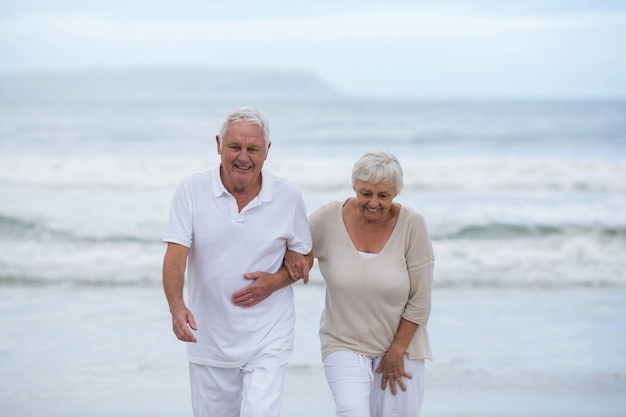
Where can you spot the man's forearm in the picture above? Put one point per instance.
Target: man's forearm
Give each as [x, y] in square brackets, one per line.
[173, 288]
[281, 279]
[174, 264]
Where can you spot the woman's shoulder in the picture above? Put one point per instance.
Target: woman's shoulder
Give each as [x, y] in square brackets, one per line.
[411, 221]
[325, 216]
[409, 214]
[415, 235]
[327, 208]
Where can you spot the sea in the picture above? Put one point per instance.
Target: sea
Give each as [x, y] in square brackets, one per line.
[525, 202]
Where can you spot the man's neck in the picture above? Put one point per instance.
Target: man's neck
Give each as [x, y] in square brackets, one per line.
[244, 194]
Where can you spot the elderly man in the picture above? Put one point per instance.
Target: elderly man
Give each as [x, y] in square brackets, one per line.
[230, 227]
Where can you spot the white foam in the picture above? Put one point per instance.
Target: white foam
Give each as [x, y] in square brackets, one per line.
[327, 173]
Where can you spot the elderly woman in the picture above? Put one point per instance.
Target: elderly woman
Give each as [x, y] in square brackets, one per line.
[377, 260]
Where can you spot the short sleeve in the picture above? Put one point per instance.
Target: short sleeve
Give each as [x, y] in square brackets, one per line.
[179, 228]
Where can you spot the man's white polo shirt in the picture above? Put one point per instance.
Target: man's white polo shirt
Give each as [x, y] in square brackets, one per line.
[223, 245]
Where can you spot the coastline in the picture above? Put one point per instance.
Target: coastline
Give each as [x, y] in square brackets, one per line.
[76, 351]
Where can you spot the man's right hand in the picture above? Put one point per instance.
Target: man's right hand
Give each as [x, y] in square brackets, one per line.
[182, 324]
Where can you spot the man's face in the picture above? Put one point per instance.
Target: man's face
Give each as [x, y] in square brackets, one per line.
[243, 153]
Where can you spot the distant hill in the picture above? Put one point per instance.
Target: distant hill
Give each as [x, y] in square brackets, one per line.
[164, 83]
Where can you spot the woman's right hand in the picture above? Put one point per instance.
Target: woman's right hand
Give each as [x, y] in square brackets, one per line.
[298, 265]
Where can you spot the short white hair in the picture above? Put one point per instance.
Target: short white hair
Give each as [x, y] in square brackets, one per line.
[247, 115]
[378, 167]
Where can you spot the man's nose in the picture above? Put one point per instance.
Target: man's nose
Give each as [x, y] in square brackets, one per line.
[244, 155]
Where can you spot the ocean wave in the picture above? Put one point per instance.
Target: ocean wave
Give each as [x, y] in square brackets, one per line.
[542, 284]
[75, 281]
[97, 170]
[468, 174]
[549, 261]
[468, 254]
[496, 230]
[27, 229]
[313, 174]
[12, 226]
[441, 281]
[23, 229]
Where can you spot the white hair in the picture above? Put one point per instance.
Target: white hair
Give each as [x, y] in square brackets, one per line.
[378, 167]
[247, 115]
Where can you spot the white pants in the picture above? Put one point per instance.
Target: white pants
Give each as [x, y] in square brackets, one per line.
[356, 387]
[253, 390]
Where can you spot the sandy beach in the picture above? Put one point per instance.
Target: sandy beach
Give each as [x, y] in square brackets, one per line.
[109, 352]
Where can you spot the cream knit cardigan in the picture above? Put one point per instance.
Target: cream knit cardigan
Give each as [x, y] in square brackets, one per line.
[365, 298]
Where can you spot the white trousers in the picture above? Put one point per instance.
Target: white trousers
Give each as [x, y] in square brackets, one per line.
[253, 390]
[356, 387]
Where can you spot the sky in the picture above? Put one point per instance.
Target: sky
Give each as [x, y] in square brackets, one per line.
[397, 48]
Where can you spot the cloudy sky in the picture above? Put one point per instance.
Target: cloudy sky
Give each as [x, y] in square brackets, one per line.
[399, 48]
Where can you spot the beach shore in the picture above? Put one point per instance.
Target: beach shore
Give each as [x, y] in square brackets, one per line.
[71, 351]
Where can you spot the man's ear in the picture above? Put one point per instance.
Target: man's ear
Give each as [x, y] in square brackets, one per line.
[268, 150]
[217, 142]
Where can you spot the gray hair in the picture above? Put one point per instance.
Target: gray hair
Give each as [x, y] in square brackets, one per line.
[378, 167]
[247, 115]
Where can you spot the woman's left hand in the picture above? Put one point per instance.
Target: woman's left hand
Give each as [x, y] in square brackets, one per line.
[392, 368]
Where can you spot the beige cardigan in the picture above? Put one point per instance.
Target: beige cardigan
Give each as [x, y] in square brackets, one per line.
[365, 298]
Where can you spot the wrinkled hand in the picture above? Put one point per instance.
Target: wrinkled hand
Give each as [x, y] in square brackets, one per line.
[297, 266]
[260, 288]
[392, 368]
[182, 324]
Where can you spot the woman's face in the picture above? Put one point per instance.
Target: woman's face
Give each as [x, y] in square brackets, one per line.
[374, 200]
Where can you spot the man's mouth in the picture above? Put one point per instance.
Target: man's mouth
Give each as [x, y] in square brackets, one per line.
[243, 168]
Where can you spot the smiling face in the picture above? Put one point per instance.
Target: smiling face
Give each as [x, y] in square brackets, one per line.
[243, 152]
[374, 201]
